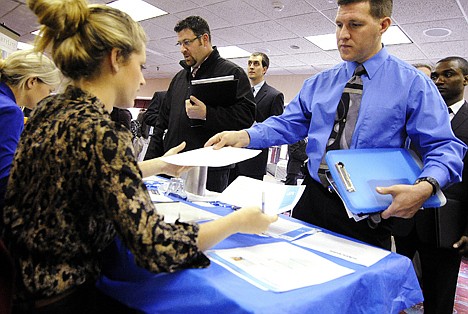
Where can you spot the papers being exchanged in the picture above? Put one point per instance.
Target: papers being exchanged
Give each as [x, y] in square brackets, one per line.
[209, 157]
[278, 266]
[277, 198]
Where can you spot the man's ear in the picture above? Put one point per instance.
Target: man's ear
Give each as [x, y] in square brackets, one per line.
[385, 24]
[114, 59]
[30, 82]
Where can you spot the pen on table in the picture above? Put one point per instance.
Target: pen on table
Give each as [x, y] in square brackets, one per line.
[263, 202]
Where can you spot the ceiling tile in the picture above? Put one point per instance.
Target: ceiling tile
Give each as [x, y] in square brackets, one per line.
[457, 26]
[411, 11]
[237, 12]
[308, 24]
[273, 29]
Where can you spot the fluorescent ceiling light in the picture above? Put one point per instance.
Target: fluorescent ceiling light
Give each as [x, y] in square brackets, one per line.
[324, 42]
[393, 36]
[24, 46]
[231, 52]
[139, 10]
[36, 32]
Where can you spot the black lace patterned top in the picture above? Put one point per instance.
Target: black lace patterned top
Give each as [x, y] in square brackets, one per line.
[74, 185]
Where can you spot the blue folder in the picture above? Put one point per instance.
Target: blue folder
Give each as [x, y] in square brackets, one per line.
[357, 172]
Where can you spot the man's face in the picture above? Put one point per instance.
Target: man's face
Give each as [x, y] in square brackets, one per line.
[358, 34]
[191, 47]
[450, 81]
[255, 69]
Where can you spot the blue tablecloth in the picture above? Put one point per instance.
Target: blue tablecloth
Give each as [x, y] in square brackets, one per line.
[388, 286]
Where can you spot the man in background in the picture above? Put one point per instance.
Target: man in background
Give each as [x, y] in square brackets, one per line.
[269, 102]
[155, 146]
[201, 61]
[440, 265]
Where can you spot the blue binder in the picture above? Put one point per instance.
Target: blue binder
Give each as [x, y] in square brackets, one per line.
[357, 172]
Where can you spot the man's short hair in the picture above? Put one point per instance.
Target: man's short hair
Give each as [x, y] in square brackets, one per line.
[196, 23]
[423, 65]
[265, 59]
[378, 8]
[462, 63]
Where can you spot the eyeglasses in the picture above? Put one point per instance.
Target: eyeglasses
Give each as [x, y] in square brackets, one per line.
[187, 42]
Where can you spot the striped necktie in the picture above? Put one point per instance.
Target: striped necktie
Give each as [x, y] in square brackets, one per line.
[347, 112]
[345, 119]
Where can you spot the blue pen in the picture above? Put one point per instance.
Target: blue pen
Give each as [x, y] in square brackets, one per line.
[263, 202]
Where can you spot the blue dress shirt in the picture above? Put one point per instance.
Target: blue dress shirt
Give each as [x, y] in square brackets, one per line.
[398, 101]
[11, 126]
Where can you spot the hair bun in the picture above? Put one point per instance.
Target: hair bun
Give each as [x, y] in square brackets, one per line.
[62, 17]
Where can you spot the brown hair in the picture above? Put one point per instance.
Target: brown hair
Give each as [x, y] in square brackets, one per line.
[378, 8]
[81, 35]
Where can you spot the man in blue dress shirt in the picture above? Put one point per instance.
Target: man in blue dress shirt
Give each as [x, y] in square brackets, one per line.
[398, 101]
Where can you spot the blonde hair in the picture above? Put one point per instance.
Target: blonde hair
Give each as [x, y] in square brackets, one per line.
[22, 65]
[81, 35]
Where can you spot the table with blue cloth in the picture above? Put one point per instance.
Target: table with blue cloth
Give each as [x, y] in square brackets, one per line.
[389, 286]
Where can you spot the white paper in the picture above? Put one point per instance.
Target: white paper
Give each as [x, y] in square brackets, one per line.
[278, 198]
[289, 230]
[209, 157]
[278, 266]
[184, 212]
[352, 251]
[213, 80]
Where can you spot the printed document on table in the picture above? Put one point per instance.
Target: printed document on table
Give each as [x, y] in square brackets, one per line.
[289, 230]
[209, 157]
[184, 212]
[278, 266]
[352, 251]
[275, 198]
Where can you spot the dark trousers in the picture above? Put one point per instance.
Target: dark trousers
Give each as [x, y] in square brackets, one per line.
[439, 269]
[217, 179]
[86, 299]
[324, 209]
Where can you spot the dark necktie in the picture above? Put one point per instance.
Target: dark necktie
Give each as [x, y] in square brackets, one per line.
[253, 91]
[345, 119]
[450, 110]
[347, 112]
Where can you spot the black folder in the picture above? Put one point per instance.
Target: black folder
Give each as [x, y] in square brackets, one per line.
[450, 223]
[357, 172]
[217, 91]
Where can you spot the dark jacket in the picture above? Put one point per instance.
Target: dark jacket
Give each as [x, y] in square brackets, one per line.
[172, 115]
[270, 102]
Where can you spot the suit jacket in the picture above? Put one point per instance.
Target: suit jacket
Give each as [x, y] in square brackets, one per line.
[424, 220]
[269, 102]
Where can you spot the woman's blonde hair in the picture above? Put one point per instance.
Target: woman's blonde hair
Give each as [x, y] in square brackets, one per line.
[81, 35]
[22, 65]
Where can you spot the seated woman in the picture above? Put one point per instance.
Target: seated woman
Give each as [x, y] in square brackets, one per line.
[26, 77]
[75, 184]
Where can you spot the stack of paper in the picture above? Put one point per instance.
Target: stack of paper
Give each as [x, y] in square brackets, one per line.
[274, 198]
[278, 266]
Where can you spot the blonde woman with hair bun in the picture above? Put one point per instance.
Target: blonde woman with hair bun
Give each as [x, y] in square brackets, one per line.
[75, 183]
[26, 77]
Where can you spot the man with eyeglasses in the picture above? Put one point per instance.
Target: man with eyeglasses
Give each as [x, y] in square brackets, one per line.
[201, 61]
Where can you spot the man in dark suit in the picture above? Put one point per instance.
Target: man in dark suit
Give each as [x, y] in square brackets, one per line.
[270, 102]
[439, 265]
[155, 146]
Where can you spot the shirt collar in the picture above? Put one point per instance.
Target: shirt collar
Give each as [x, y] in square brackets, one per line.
[456, 106]
[4, 89]
[258, 86]
[371, 65]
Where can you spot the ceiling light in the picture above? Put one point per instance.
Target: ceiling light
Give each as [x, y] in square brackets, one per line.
[36, 32]
[277, 6]
[437, 32]
[24, 46]
[139, 10]
[231, 52]
[393, 36]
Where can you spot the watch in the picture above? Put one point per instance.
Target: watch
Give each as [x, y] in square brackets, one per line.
[432, 181]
